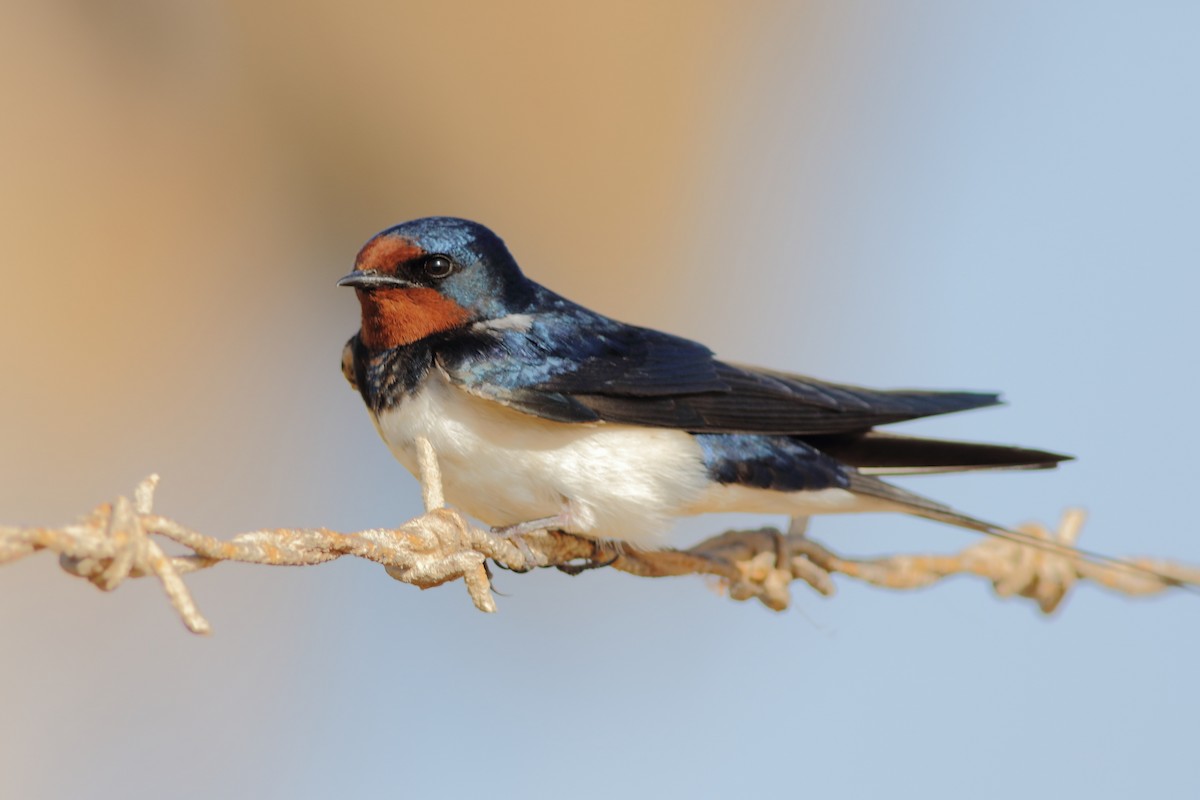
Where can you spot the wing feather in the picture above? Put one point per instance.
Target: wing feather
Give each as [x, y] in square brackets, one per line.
[580, 367]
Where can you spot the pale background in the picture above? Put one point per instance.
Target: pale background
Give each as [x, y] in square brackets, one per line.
[988, 195]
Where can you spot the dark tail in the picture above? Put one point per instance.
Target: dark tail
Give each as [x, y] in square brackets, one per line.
[877, 453]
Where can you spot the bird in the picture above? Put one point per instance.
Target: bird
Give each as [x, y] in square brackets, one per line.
[545, 415]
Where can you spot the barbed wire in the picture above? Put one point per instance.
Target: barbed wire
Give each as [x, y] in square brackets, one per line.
[120, 540]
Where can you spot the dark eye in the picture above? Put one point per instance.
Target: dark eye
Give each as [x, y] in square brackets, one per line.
[437, 266]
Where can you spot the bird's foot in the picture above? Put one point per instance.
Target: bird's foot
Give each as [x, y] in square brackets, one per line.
[604, 554]
[516, 533]
[559, 522]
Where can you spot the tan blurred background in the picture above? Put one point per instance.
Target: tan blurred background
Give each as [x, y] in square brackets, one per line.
[927, 194]
[183, 180]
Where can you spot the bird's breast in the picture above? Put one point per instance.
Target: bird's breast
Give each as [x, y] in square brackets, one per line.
[502, 466]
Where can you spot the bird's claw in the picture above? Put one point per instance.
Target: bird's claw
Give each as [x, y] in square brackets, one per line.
[599, 550]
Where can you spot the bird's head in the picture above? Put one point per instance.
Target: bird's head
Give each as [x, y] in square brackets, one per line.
[432, 275]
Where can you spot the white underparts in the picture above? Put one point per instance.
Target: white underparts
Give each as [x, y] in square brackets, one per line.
[619, 482]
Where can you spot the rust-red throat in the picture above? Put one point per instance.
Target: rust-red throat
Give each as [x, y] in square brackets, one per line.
[392, 317]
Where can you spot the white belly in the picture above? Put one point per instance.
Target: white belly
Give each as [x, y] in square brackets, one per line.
[503, 467]
[620, 482]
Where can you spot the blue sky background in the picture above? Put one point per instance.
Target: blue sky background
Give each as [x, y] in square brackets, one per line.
[989, 195]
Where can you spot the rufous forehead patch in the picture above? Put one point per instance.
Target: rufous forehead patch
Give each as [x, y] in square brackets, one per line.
[385, 251]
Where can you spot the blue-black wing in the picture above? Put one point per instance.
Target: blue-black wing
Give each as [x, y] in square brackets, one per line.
[573, 366]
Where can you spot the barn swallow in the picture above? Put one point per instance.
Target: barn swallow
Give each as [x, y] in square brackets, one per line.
[546, 415]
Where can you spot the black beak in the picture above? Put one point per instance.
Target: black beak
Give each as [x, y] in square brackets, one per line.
[370, 279]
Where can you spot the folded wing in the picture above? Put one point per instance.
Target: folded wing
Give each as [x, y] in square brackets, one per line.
[585, 368]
